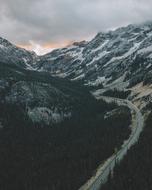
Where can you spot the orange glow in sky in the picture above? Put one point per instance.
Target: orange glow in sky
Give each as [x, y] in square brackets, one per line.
[45, 48]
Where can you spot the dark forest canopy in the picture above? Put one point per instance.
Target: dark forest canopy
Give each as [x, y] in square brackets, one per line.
[135, 171]
[57, 157]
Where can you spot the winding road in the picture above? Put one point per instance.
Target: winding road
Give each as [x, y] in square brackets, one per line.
[107, 167]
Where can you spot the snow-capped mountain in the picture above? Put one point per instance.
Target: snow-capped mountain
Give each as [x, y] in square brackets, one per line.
[116, 59]
[123, 55]
[42, 97]
[20, 57]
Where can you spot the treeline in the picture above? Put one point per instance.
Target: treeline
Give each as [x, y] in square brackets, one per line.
[135, 171]
[57, 157]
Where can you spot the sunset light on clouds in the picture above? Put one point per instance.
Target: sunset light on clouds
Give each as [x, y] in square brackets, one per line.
[44, 25]
[75, 94]
[45, 48]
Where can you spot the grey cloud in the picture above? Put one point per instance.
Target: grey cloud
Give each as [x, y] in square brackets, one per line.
[58, 20]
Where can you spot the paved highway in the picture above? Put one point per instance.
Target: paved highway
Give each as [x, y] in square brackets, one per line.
[107, 167]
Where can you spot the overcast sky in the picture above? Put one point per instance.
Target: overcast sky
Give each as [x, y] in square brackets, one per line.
[43, 24]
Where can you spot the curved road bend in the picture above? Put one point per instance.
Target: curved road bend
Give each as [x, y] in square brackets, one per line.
[105, 169]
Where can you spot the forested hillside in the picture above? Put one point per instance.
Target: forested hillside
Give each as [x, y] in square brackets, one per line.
[135, 171]
[60, 156]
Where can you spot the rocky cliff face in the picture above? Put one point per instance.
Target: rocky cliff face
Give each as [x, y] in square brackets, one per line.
[123, 55]
[120, 58]
[11, 54]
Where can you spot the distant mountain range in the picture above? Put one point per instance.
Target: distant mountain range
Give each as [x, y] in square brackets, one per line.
[124, 54]
[116, 59]
[45, 99]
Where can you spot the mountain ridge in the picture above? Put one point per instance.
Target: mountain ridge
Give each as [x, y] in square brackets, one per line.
[106, 58]
[115, 59]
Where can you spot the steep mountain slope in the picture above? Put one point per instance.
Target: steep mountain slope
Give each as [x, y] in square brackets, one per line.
[116, 59]
[46, 124]
[120, 56]
[45, 99]
[123, 56]
[10, 53]
[32, 96]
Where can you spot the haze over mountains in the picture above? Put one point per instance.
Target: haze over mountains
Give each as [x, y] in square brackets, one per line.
[55, 92]
[75, 95]
[120, 58]
[125, 52]
[47, 120]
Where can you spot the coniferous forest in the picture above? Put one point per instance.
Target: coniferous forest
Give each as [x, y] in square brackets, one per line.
[58, 157]
[135, 171]
[75, 95]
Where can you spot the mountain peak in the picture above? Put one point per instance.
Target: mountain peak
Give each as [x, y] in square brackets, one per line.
[124, 54]
[80, 44]
[4, 42]
[11, 54]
